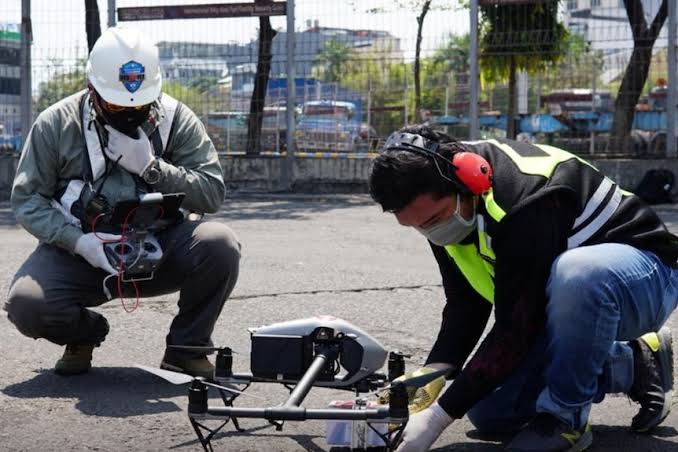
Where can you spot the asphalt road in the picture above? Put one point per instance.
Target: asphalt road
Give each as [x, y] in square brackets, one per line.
[302, 256]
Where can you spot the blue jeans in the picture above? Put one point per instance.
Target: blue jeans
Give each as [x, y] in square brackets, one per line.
[599, 297]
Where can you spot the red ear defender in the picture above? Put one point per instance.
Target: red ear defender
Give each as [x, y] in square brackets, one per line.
[473, 171]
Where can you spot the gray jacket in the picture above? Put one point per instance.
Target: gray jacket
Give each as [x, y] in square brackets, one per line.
[55, 153]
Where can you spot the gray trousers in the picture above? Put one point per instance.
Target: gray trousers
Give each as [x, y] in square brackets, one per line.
[52, 290]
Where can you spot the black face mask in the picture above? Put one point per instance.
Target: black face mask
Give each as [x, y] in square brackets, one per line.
[126, 121]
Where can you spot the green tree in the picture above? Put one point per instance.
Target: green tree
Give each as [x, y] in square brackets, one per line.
[455, 53]
[581, 67]
[384, 82]
[523, 37]
[423, 7]
[62, 82]
[332, 62]
[204, 83]
[192, 97]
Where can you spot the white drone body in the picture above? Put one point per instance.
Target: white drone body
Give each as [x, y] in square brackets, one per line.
[283, 350]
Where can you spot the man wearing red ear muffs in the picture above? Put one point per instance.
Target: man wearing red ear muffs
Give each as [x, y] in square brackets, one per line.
[581, 276]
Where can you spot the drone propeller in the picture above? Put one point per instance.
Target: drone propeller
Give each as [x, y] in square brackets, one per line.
[173, 377]
[422, 380]
[177, 378]
[205, 349]
[415, 382]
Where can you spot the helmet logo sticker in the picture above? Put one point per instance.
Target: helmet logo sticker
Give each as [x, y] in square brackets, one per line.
[132, 75]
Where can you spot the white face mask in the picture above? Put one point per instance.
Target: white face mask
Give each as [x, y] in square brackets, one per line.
[450, 231]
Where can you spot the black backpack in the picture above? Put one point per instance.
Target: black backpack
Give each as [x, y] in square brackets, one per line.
[655, 187]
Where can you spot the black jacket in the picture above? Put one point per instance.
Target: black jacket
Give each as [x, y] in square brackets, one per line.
[540, 215]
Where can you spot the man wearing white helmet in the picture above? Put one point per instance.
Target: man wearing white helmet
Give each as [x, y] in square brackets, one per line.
[117, 139]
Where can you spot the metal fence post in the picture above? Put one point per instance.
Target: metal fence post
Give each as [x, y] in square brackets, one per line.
[288, 166]
[671, 95]
[111, 13]
[473, 64]
[25, 70]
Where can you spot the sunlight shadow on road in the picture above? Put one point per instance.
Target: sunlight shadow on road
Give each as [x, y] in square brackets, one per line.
[107, 391]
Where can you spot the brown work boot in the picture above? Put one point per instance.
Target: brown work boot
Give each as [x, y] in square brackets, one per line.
[197, 367]
[77, 359]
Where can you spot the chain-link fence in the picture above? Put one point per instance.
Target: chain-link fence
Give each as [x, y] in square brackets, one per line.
[355, 64]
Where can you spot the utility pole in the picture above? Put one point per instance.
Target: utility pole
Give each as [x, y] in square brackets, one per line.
[288, 164]
[671, 95]
[474, 124]
[111, 13]
[25, 70]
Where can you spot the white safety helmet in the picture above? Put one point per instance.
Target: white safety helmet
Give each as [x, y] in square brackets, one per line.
[124, 68]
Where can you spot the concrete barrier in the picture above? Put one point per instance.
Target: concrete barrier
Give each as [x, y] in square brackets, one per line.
[341, 175]
[317, 175]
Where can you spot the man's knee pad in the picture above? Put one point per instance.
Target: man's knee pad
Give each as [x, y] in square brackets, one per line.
[24, 314]
[219, 243]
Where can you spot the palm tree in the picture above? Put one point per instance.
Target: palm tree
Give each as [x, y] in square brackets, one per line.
[333, 59]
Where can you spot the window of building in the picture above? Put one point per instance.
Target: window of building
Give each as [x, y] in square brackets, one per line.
[572, 4]
[595, 3]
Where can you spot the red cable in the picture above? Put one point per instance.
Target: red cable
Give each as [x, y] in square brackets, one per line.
[122, 264]
[121, 267]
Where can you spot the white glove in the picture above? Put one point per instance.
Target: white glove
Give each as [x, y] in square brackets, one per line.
[135, 154]
[423, 428]
[91, 247]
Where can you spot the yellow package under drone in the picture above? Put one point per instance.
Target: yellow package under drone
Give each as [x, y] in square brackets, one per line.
[419, 398]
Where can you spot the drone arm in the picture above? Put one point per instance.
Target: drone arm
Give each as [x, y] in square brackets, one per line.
[295, 413]
[324, 354]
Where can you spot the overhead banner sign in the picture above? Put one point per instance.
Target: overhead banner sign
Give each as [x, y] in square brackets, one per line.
[511, 2]
[203, 11]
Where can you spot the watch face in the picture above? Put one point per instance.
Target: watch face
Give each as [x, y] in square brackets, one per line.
[152, 175]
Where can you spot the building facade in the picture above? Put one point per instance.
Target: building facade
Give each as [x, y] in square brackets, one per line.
[10, 79]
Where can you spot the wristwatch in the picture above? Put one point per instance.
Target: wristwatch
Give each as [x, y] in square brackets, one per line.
[152, 173]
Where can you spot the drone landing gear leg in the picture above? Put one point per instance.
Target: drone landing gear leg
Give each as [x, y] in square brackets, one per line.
[392, 438]
[206, 441]
[228, 401]
[278, 425]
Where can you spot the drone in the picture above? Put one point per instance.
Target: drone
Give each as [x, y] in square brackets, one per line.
[301, 354]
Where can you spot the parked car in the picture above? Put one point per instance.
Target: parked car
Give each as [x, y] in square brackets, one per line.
[274, 129]
[332, 126]
[228, 130]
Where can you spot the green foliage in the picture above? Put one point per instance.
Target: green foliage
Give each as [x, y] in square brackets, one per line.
[62, 83]
[204, 83]
[192, 97]
[576, 69]
[66, 81]
[455, 53]
[332, 62]
[528, 37]
[385, 81]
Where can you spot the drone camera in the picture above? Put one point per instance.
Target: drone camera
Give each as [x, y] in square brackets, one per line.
[287, 357]
[280, 357]
[284, 351]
